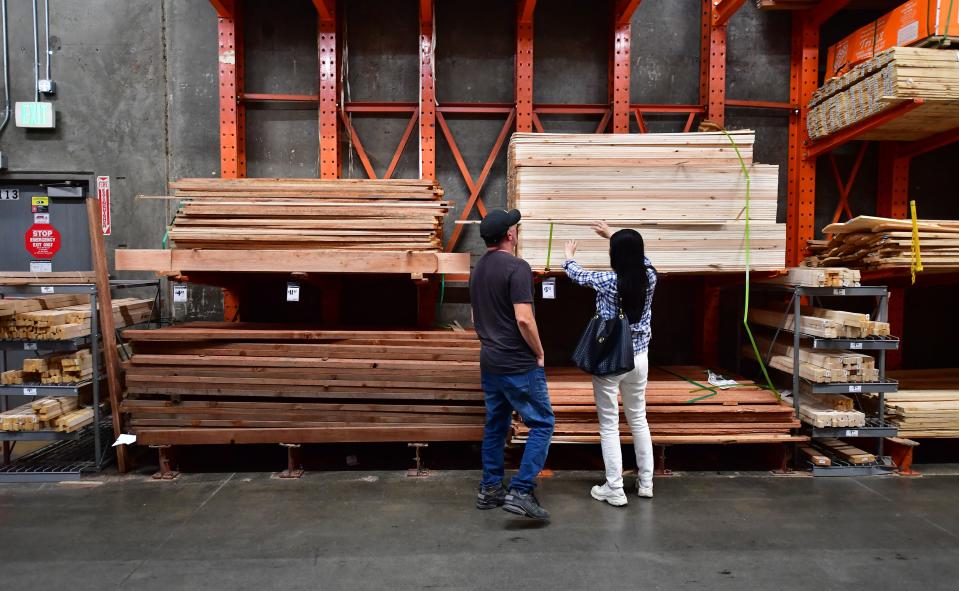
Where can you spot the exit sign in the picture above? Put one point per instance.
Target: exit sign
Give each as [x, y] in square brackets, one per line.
[35, 115]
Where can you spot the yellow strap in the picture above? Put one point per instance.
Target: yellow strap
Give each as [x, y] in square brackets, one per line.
[916, 255]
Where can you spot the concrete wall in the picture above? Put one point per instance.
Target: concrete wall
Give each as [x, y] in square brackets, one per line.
[137, 92]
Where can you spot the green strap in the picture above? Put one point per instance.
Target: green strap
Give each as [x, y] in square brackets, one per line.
[713, 391]
[549, 245]
[749, 332]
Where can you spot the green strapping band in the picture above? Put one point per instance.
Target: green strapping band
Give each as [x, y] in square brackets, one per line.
[713, 391]
[749, 333]
[549, 245]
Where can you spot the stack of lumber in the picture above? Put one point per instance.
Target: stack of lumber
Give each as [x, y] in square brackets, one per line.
[247, 383]
[814, 456]
[823, 323]
[299, 214]
[927, 403]
[677, 410]
[807, 277]
[883, 243]
[829, 410]
[890, 78]
[685, 192]
[846, 452]
[69, 368]
[28, 319]
[53, 278]
[822, 367]
[47, 414]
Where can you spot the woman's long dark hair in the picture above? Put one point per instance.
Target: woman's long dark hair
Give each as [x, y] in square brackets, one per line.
[627, 255]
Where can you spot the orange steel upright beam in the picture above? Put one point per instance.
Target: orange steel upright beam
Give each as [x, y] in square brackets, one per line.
[329, 89]
[893, 194]
[427, 93]
[232, 111]
[716, 82]
[524, 65]
[801, 186]
[619, 66]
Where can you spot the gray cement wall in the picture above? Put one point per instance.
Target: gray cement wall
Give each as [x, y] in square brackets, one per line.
[137, 91]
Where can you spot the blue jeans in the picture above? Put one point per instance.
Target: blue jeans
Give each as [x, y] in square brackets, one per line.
[527, 394]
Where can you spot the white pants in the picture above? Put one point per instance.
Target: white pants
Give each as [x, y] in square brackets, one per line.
[632, 386]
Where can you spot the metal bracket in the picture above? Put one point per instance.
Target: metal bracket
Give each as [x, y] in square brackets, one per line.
[294, 461]
[420, 471]
[659, 461]
[166, 455]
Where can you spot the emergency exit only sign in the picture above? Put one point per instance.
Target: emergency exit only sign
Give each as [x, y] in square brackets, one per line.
[42, 241]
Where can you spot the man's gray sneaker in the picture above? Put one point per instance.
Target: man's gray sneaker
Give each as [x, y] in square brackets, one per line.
[490, 497]
[524, 504]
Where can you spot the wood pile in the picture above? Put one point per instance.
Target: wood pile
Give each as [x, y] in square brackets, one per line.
[927, 403]
[806, 277]
[817, 365]
[685, 192]
[890, 78]
[823, 323]
[829, 410]
[47, 414]
[883, 243]
[300, 214]
[40, 319]
[64, 368]
[814, 456]
[846, 452]
[677, 410]
[247, 383]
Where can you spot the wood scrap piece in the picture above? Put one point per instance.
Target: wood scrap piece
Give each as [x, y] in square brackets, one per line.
[847, 452]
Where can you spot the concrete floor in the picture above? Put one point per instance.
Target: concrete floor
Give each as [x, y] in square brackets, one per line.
[380, 530]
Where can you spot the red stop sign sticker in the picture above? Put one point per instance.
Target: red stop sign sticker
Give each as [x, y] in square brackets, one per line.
[42, 241]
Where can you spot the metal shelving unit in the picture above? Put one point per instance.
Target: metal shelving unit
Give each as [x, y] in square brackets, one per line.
[21, 471]
[876, 426]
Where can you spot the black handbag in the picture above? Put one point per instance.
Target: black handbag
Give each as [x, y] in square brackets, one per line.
[606, 347]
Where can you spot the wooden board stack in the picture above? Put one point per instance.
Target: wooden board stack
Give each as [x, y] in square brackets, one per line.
[393, 214]
[29, 319]
[823, 367]
[883, 243]
[243, 383]
[890, 78]
[685, 192]
[846, 452]
[677, 411]
[47, 414]
[927, 403]
[69, 368]
[806, 277]
[829, 410]
[820, 322]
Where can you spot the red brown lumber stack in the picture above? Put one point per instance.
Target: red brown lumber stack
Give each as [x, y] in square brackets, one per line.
[405, 215]
[247, 383]
[745, 414]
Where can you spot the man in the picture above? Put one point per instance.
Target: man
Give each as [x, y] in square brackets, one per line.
[511, 365]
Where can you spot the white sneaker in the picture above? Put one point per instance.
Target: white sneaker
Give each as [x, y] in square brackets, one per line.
[615, 497]
[645, 492]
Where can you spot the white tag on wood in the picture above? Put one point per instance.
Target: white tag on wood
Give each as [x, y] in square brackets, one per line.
[179, 293]
[549, 288]
[292, 292]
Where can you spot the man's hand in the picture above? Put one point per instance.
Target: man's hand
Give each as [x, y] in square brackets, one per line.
[601, 228]
[541, 361]
[570, 249]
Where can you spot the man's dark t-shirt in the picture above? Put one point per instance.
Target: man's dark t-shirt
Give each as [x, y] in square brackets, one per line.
[498, 281]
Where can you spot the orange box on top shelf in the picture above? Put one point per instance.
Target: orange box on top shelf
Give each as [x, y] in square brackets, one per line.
[916, 22]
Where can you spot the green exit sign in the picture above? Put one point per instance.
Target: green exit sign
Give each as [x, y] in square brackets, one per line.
[36, 115]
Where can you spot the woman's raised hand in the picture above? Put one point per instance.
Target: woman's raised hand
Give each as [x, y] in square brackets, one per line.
[601, 228]
[570, 249]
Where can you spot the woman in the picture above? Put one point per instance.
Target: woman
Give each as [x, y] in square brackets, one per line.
[629, 285]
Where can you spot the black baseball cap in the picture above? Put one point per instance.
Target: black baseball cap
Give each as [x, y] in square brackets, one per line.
[497, 222]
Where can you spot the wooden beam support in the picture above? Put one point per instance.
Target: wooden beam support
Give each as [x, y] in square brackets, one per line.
[524, 65]
[329, 90]
[427, 102]
[232, 111]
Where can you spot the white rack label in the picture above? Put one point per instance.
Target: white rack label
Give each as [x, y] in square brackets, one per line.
[41, 266]
[855, 345]
[29, 346]
[179, 293]
[852, 432]
[549, 288]
[292, 292]
[46, 289]
[839, 292]
[29, 391]
[855, 389]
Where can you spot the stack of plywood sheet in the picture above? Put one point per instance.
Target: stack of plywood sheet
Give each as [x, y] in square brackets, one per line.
[927, 403]
[28, 319]
[685, 192]
[890, 78]
[884, 243]
[234, 382]
[678, 411]
[309, 213]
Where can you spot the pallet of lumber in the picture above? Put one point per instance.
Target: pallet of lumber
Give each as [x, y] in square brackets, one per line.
[677, 410]
[926, 404]
[685, 192]
[34, 321]
[207, 382]
[870, 242]
[892, 77]
[846, 452]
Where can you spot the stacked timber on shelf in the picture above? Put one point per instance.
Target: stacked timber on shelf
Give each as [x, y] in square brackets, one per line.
[685, 192]
[821, 322]
[892, 77]
[47, 318]
[678, 411]
[63, 368]
[241, 383]
[926, 404]
[303, 225]
[47, 414]
[884, 243]
[815, 365]
[845, 451]
[806, 277]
